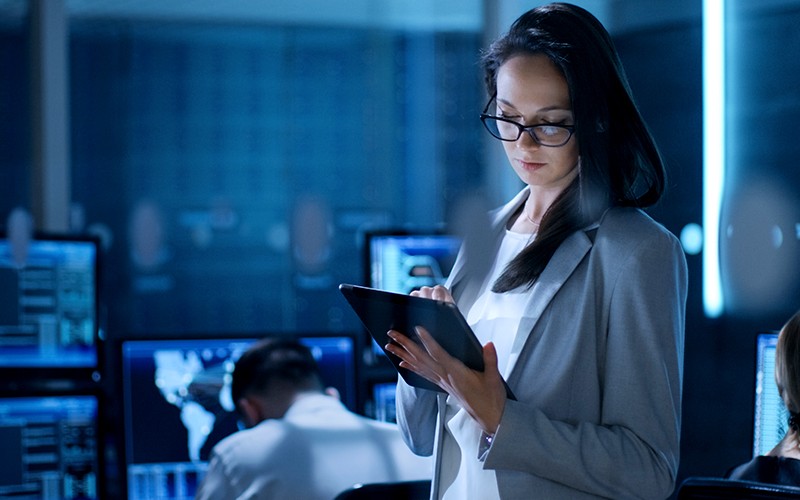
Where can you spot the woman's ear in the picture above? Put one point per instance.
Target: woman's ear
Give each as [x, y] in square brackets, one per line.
[249, 409]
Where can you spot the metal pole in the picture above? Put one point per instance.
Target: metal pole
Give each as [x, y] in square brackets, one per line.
[50, 179]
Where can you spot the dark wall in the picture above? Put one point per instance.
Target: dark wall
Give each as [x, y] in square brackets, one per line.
[758, 245]
[262, 153]
[15, 119]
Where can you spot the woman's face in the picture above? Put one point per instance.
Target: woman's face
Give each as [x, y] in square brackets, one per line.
[532, 91]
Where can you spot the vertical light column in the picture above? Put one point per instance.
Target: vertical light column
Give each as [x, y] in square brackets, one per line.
[713, 150]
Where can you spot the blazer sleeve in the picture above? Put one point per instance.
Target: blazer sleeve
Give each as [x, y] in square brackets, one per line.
[633, 450]
[416, 417]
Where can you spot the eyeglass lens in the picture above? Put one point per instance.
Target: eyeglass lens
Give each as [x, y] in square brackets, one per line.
[547, 135]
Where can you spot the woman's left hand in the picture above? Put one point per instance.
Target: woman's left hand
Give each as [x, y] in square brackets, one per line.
[481, 394]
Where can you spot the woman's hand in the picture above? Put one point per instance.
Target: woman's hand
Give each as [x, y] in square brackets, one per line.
[437, 292]
[481, 394]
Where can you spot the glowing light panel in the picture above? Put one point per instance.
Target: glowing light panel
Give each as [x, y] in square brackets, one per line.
[713, 150]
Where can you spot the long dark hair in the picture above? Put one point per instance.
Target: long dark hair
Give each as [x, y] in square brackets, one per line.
[619, 162]
[787, 366]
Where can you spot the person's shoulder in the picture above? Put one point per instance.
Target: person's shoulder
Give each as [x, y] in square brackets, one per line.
[268, 431]
[630, 218]
[625, 233]
[389, 429]
[769, 469]
[379, 424]
[627, 225]
[748, 471]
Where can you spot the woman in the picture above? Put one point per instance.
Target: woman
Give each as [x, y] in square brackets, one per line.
[782, 464]
[583, 310]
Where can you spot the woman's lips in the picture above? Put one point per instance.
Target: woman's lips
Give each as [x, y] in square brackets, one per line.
[530, 165]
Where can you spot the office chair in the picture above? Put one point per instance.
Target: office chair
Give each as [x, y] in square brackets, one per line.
[402, 490]
[714, 488]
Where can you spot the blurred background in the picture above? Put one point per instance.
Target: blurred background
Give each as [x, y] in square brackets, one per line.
[231, 156]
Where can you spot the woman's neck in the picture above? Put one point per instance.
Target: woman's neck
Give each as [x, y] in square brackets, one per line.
[788, 447]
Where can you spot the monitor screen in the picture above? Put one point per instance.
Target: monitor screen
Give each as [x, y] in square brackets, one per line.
[48, 302]
[771, 419]
[383, 397]
[177, 404]
[403, 261]
[50, 447]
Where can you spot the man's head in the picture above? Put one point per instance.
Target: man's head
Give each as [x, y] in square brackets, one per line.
[268, 377]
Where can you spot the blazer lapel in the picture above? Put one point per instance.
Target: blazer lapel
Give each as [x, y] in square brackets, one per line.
[558, 270]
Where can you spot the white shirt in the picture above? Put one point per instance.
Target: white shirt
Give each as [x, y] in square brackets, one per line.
[495, 317]
[317, 450]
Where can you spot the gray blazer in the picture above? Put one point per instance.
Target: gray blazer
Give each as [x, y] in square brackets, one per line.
[598, 379]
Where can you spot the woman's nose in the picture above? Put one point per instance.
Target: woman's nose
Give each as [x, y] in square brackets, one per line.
[527, 141]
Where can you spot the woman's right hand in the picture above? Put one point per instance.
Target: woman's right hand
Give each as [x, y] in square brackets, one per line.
[437, 292]
[481, 393]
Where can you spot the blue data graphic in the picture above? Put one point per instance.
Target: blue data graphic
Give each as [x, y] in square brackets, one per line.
[771, 418]
[50, 447]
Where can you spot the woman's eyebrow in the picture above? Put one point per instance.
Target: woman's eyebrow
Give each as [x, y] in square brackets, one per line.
[554, 107]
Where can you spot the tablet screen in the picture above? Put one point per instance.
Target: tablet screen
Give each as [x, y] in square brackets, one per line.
[381, 311]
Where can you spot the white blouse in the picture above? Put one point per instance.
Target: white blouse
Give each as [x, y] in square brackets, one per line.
[495, 317]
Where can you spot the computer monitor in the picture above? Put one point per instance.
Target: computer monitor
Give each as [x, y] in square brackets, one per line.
[48, 302]
[177, 404]
[403, 261]
[771, 419]
[50, 447]
[383, 401]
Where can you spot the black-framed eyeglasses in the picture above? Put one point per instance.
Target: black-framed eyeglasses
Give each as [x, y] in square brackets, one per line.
[544, 134]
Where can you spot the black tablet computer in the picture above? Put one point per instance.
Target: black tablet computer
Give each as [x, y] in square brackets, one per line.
[381, 311]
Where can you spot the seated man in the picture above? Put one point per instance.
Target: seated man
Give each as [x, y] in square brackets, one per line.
[300, 441]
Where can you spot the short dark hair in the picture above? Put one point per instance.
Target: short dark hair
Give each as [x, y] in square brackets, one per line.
[275, 360]
[620, 163]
